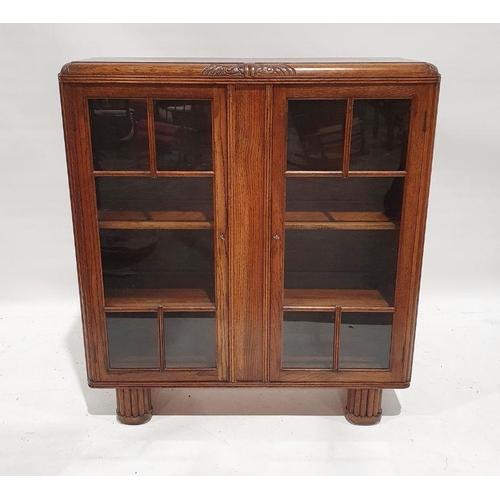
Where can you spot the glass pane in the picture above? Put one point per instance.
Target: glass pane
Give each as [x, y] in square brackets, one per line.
[308, 340]
[183, 135]
[379, 134]
[342, 260]
[365, 340]
[119, 130]
[343, 234]
[366, 199]
[142, 259]
[132, 340]
[316, 134]
[146, 199]
[189, 340]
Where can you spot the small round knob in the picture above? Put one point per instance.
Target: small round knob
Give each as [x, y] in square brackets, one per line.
[276, 236]
[222, 236]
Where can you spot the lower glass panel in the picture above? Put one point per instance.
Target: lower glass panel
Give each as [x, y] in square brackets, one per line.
[190, 340]
[132, 340]
[308, 340]
[365, 340]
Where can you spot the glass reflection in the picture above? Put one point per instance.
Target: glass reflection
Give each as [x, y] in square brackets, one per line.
[133, 195]
[132, 340]
[343, 234]
[189, 340]
[183, 134]
[365, 340]
[142, 259]
[379, 136]
[342, 260]
[383, 195]
[308, 340]
[119, 132]
[316, 134]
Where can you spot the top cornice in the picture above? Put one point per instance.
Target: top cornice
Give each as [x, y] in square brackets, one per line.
[221, 71]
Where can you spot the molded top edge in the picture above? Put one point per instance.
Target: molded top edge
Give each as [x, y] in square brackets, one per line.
[208, 60]
[177, 68]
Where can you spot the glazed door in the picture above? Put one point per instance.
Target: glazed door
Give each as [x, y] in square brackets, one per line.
[339, 182]
[158, 198]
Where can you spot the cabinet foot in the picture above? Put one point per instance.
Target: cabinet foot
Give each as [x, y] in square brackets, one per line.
[133, 406]
[364, 406]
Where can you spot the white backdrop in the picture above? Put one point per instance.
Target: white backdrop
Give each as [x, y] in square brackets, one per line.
[462, 252]
[438, 426]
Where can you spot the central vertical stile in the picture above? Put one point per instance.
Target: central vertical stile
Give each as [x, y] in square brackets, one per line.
[248, 222]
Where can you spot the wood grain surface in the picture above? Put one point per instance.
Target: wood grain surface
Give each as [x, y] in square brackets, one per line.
[249, 103]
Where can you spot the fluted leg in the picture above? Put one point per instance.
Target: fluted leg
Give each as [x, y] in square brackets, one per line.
[364, 406]
[133, 406]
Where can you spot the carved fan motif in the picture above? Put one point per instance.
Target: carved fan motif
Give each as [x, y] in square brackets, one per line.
[248, 70]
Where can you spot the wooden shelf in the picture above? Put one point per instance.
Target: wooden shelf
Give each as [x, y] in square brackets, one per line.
[327, 300]
[150, 299]
[338, 220]
[154, 220]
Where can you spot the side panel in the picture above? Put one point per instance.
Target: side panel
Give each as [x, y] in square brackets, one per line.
[85, 229]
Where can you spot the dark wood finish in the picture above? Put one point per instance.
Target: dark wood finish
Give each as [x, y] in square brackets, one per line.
[133, 406]
[364, 406]
[249, 128]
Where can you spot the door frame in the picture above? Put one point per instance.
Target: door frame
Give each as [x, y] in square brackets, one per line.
[411, 238]
[85, 217]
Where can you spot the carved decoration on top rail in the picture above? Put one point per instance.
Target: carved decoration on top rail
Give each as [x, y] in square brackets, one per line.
[248, 70]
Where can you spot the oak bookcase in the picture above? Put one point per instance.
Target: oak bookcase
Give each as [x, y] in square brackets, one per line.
[249, 224]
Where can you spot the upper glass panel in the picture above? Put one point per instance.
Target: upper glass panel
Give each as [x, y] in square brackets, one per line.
[316, 134]
[183, 135]
[379, 135]
[119, 131]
